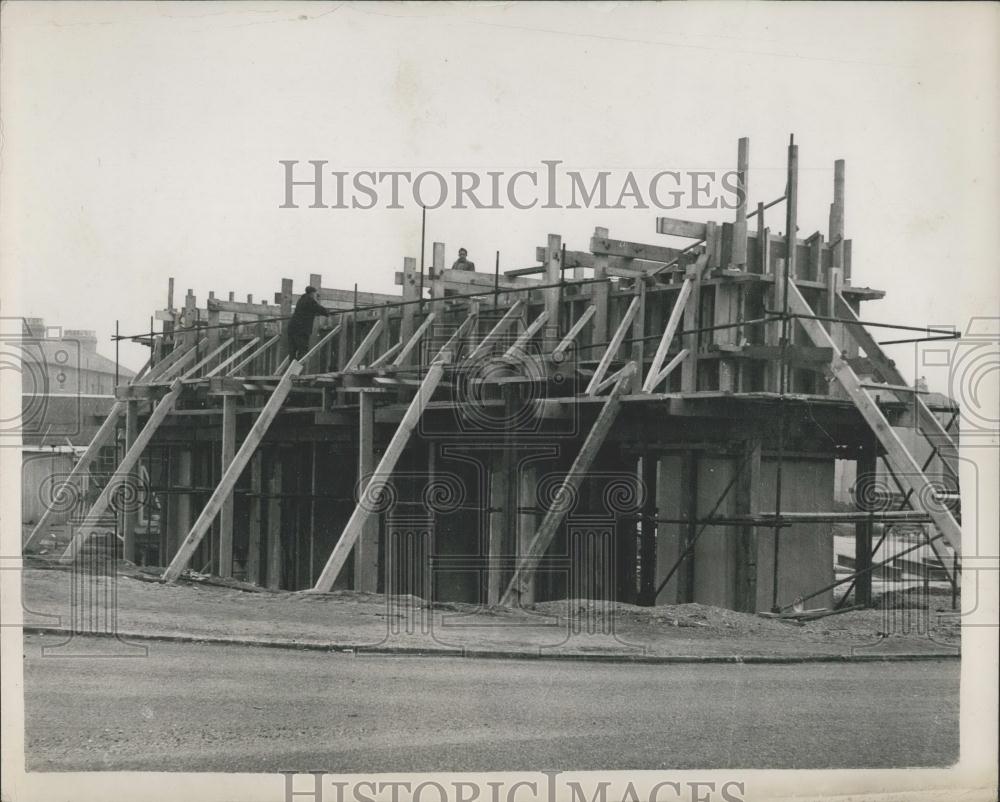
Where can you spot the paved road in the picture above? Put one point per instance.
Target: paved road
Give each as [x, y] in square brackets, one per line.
[197, 707]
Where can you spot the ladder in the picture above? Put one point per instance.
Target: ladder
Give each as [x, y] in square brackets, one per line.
[924, 494]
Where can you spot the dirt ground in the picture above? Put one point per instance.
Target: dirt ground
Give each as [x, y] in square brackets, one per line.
[136, 603]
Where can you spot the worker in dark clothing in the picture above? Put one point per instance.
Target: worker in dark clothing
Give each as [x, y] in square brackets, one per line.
[462, 263]
[301, 325]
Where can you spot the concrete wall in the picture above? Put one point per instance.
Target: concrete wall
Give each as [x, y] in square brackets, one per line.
[806, 551]
[40, 472]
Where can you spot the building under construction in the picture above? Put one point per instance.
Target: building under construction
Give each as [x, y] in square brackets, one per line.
[626, 421]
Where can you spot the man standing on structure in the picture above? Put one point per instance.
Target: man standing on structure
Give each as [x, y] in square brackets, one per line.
[462, 263]
[301, 325]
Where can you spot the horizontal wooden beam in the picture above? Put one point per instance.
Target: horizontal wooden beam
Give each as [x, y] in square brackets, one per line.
[633, 250]
[680, 228]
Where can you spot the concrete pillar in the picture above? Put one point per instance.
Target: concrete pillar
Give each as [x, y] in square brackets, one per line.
[670, 503]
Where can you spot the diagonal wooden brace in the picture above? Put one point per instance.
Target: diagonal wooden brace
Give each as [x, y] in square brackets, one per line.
[362, 511]
[570, 485]
[228, 481]
[901, 460]
[125, 467]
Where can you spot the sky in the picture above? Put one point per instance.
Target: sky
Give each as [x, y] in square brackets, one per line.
[142, 141]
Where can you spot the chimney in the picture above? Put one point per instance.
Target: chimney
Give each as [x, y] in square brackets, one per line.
[86, 337]
[33, 327]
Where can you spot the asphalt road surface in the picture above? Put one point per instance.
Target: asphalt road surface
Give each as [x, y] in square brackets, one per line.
[193, 707]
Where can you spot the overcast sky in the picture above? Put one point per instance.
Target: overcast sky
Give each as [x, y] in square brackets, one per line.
[142, 141]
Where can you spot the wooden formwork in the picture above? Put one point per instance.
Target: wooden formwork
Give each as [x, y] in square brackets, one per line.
[481, 424]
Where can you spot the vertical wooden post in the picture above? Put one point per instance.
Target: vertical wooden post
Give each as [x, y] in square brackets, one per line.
[527, 524]
[189, 319]
[426, 554]
[865, 475]
[182, 509]
[226, 511]
[553, 274]
[130, 515]
[647, 555]
[638, 333]
[253, 534]
[835, 276]
[625, 545]
[273, 546]
[472, 337]
[692, 314]
[689, 487]
[599, 292]
[411, 292]
[836, 238]
[437, 283]
[285, 311]
[366, 550]
[214, 335]
[739, 251]
[500, 522]
[772, 330]
[747, 500]
[385, 334]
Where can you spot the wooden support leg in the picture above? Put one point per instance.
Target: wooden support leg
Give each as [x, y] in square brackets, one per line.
[228, 480]
[671, 502]
[689, 487]
[500, 522]
[865, 475]
[571, 483]
[254, 531]
[692, 314]
[553, 273]
[599, 292]
[626, 561]
[104, 436]
[527, 524]
[129, 461]
[226, 512]
[747, 499]
[182, 508]
[273, 546]
[130, 515]
[638, 335]
[366, 551]
[647, 550]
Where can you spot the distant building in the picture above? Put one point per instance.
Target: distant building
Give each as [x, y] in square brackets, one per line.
[67, 387]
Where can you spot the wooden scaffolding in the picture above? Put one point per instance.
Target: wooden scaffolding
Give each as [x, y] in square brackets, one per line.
[675, 370]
